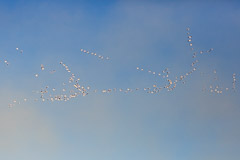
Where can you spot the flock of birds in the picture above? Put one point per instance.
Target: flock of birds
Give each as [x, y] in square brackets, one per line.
[73, 88]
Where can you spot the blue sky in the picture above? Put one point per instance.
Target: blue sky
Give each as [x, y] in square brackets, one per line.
[184, 124]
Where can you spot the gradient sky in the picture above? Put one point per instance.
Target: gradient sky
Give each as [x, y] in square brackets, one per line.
[186, 124]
